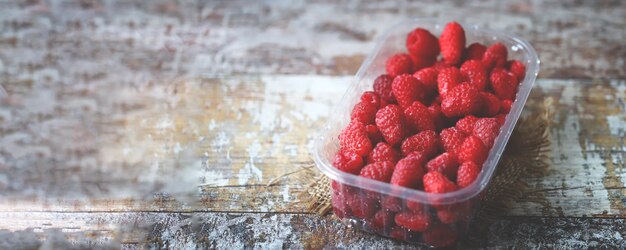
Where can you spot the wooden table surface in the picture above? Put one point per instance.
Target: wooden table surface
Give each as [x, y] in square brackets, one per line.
[132, 124]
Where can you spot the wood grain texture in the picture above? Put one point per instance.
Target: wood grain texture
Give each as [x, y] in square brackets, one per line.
[156, 40]
[274, 231]
[263, 130]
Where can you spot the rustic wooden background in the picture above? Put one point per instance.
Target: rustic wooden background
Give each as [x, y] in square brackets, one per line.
[134, 123]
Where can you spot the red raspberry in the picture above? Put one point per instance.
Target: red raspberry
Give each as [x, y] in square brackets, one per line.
[422, 43]
[348, 162]
[426, 142]
[466, 124]
[440, 120]
[506, 106]
[495, 56]
[399, 64]
[382, 219]
[380, 171]
[517, 68]
[452, 139]
[491, 104]
[447, 79]
[361, 205]
[472, 149]
[365, 110]
[452, 213]
[354, 138]
[418, 117]
[413, 221]
[383, 152]
[475, 73]
[409, 171]
[340, 205]
[503, 83]
[398, 233]
[373, 134]
[428, 78]
[415, 207]
[501, 118]
[441, 64]
[467, 173]
[436, 182]
[474, 51]
[487, 129]
[407, 89]
[422, 62]
[452, 43]
[462, 100]
[390, 123]
[391, 203]
[445, 163]
[440, 236]
[382, 86]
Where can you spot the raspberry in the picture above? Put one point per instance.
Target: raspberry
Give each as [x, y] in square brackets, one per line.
[391, 203]
[491, 104]
[440, 236]
[447, 79]
[422, 62]
[439, 119]
[407, 89]
[517, 68]
[487, 129]
[415, 207]
[373, 134]
[466, 124]
[474, 51]
[475, 73]
[428, 78]
[462, 100]
[501, 118]
[382, 219]
[422, 43]
[503, 83]
[398, 233]
[472, 149]
[382, 86]
[418, 117]
[354, 138]
[435, 182]
[452, 43]
[413, 221]
[340, 205]
[506, 106]
[380, 171]
[495, 56]
[383, 152]
[365, 110]
[445, 163]
[390, 123]
[348, 162]
[452, 139]
[362, 206]
[409, 171]
[399, 64]
[452, 213]
[426, 142]
[441, 64]
[467, 173]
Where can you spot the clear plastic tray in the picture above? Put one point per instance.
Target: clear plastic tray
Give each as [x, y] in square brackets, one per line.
[393, 41]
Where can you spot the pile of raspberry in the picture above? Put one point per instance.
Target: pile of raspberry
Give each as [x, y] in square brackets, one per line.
[428, 125]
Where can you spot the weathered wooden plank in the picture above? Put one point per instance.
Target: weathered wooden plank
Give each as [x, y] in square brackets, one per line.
[255, 129]
[156, 40]
[271, 231]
